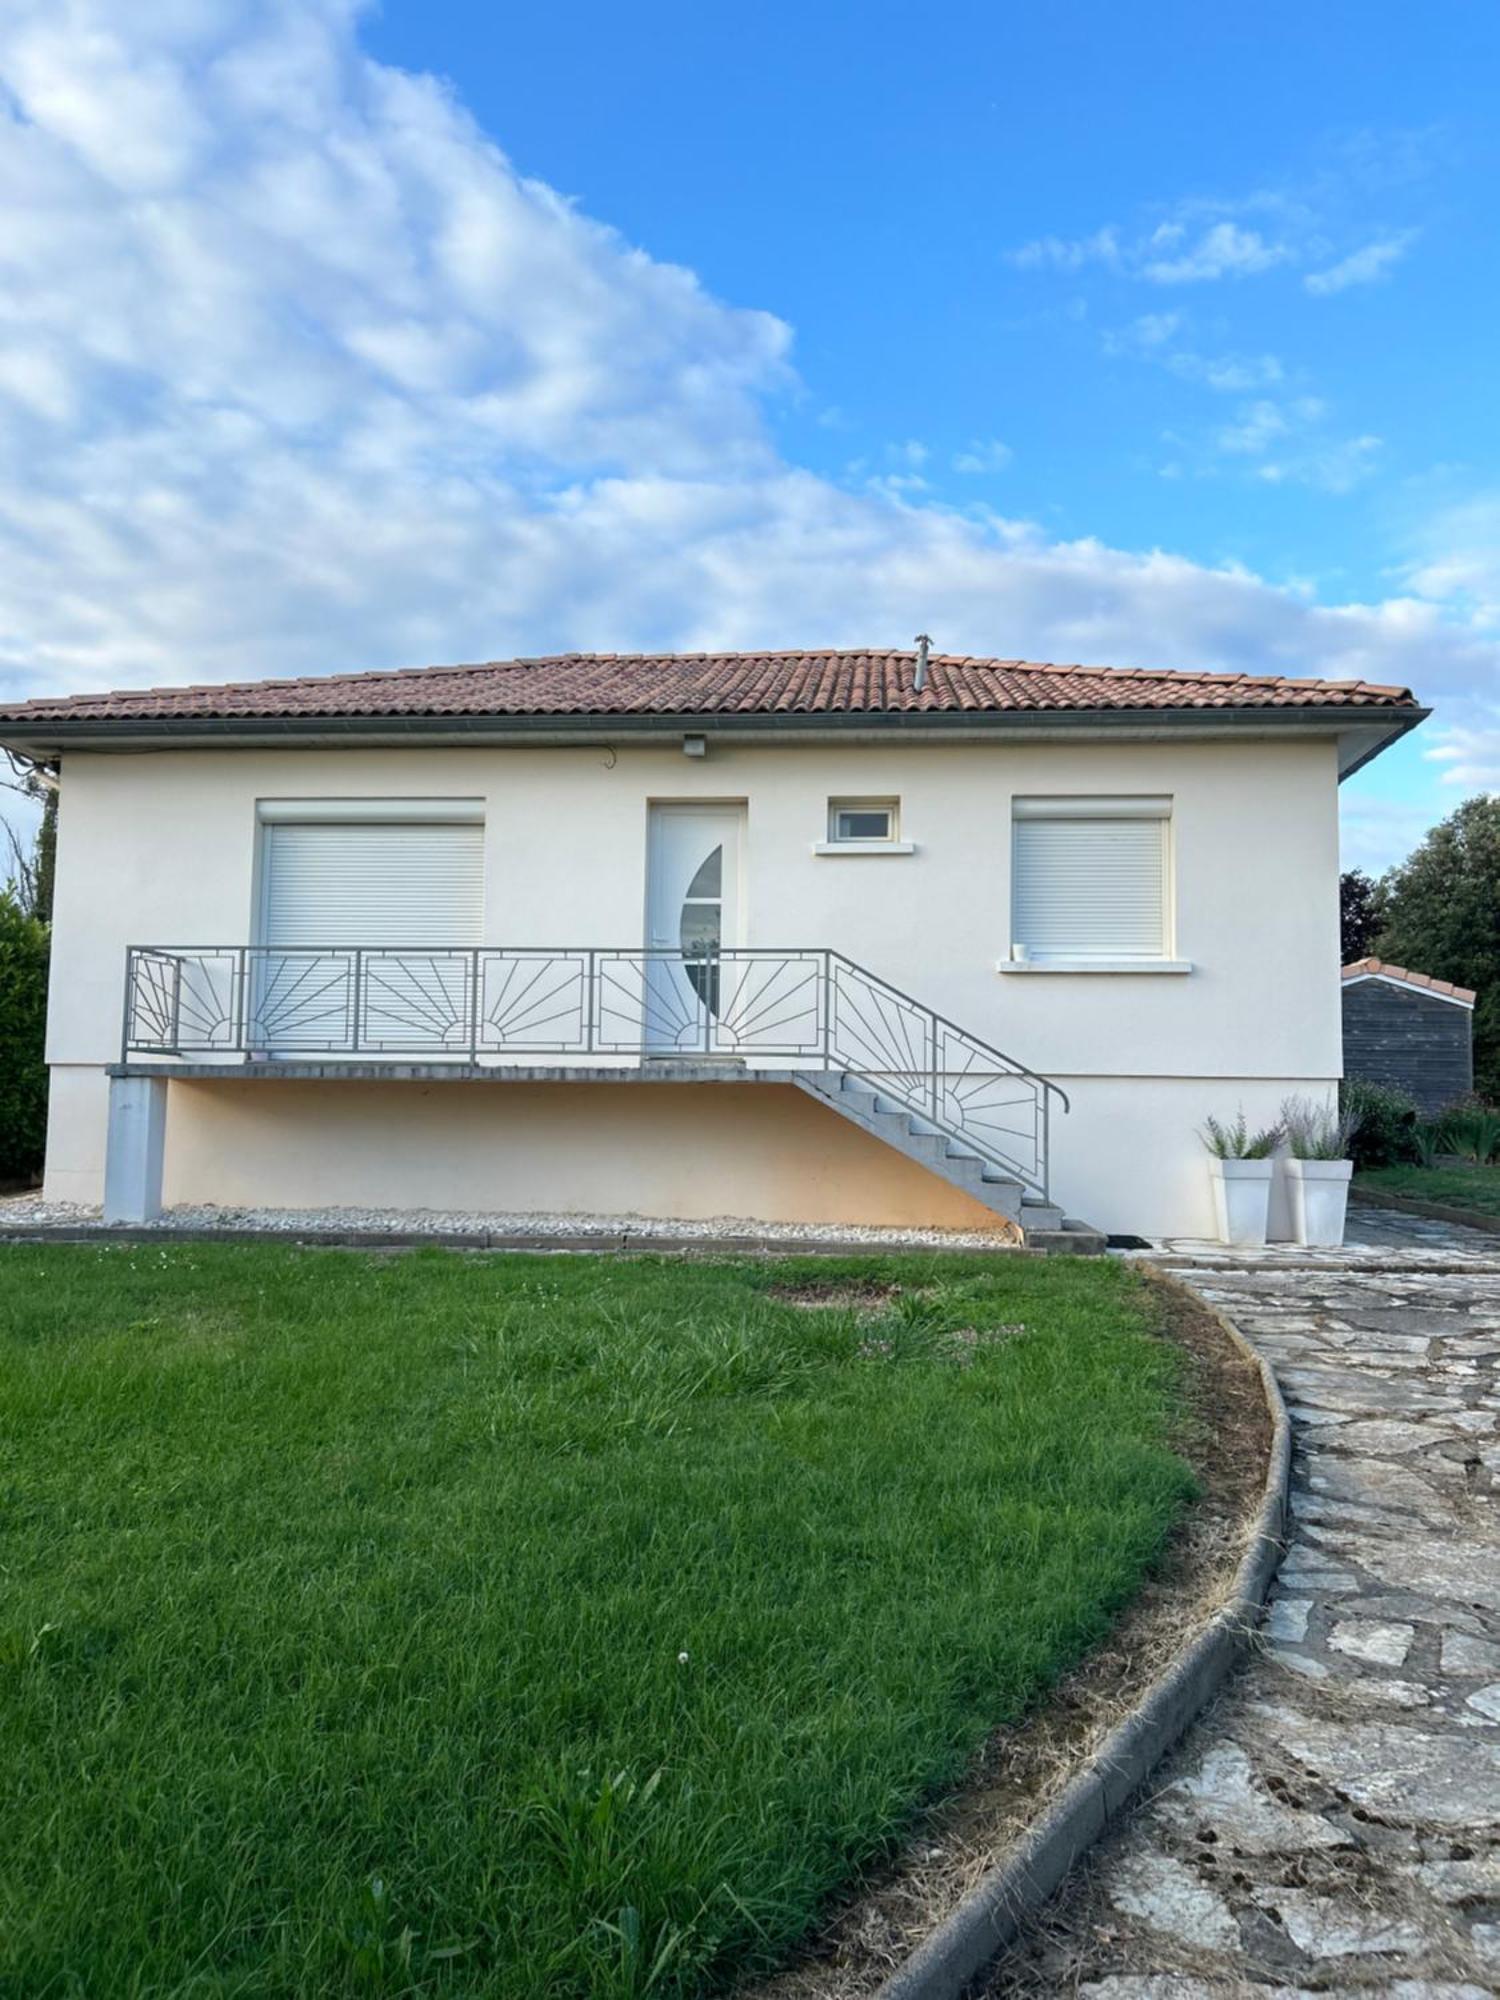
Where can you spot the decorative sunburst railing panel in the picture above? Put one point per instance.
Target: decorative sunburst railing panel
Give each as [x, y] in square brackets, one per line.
[808, 1008]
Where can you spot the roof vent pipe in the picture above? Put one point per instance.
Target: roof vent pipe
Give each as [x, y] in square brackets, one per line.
[920, 681]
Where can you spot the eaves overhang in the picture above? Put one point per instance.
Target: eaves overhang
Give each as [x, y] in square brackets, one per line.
[1362, 732]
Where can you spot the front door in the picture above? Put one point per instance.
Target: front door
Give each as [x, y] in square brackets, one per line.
[692, 912]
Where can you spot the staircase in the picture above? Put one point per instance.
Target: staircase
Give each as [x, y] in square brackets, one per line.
[1042, 1224]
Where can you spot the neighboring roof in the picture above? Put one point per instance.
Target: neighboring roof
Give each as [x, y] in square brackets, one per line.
[1437, 989]
[712, 684]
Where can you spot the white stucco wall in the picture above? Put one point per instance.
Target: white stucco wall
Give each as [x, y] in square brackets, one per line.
[161, 848]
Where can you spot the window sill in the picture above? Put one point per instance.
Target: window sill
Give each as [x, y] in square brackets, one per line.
[864, 847]
[1114, 965]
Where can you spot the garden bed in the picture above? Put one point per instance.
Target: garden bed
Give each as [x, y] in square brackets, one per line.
[1452, 1193]
[561, 1626]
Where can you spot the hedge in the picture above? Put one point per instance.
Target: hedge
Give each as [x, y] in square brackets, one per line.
[24, 947]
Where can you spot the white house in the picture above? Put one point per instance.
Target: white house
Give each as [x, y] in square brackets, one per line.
[839, 936]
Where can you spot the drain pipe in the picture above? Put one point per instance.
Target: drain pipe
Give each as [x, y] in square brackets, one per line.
[920, 679]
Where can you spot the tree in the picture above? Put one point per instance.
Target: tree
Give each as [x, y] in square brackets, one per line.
[23, 1026]
[1361, 911]
[29, 871]
[1442, 916]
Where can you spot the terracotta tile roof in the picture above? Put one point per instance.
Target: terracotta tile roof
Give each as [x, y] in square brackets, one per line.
[817, 683]
[1373, 968]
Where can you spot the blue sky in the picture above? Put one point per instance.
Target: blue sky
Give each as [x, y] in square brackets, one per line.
[1152, 336]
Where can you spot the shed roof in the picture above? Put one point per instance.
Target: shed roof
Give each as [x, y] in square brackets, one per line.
[1399, 975]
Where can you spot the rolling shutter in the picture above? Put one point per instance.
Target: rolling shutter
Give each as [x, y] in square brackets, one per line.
[1090, 886]
[373, 884]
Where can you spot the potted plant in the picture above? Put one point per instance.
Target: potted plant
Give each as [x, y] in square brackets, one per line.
[1240, 1166]
[1318, 1169]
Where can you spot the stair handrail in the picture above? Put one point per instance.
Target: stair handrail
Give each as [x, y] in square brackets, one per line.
[1009, 1064]
[928, 1100]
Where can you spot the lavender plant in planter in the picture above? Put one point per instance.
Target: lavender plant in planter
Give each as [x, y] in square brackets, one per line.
[1240, 1167]
[1318, 1169]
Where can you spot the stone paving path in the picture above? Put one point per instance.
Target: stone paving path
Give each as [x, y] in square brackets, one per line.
[1332, 1826]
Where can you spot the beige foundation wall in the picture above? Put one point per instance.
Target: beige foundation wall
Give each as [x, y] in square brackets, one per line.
[1126, 1158]
[696, 1151]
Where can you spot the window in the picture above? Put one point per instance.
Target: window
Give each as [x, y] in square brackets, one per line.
[862, 819]
[368, 910]
[1090, 881]
[386, 878]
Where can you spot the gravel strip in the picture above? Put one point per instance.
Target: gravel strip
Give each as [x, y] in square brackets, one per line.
[19, 1213]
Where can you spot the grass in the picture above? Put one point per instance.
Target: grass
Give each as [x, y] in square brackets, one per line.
[526, 1626]
[1477, 1188]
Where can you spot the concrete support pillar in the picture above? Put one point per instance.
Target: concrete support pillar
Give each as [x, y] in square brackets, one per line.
[134, 1147]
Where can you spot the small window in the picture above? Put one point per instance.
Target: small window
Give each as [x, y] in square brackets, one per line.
[861, 819]
[1089, 880]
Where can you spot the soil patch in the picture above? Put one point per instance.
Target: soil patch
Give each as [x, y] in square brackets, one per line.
[843, 1297]
[1226, 1438]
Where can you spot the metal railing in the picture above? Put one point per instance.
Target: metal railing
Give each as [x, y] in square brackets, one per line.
[805, 1009]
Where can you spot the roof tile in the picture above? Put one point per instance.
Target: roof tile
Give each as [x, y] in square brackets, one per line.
[1377, 968]
[704, 684]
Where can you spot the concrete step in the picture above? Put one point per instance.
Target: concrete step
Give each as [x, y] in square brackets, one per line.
[1071, 1238]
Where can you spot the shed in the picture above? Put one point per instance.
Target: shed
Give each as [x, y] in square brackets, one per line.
[1407, 1029]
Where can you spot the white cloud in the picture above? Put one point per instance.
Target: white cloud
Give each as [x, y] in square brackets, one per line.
[1260, 426]
[1204, 241]
[1469, 753]
[1377, 830]
[1289, 444]
[1230, 374]
[1154, 337]
[298, 373]
[1223, 250]
[1458, 559]
[1361, 267]
[1336, 465]
[1060, 253]
[983, 455]
[1175, 252]
[1152, 330]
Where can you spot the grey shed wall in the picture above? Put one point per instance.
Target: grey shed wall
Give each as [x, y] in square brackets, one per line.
[1401, 1035]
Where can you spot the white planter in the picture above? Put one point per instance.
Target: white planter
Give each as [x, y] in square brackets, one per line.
[1242, 1198]
[1320, 1196]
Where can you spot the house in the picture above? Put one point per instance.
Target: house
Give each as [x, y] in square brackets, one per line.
[1406, 1029]
[826, 936]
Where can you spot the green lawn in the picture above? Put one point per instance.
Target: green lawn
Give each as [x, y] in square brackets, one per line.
[1455, 1187]
[526, 1626]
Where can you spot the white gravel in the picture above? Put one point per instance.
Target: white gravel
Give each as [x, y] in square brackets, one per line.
[22, 1212]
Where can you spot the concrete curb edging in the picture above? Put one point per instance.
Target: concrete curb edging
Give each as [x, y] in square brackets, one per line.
[1432, 1211]
[990, 1915]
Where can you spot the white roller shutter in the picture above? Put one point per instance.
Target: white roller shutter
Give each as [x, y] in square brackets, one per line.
[372, 884]
[1090, 887]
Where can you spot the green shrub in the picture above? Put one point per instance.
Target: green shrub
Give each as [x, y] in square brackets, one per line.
[1472, 1131]
[1238, 1141]
[1385, 1135]
[23, 1025]
[1429, 1142]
